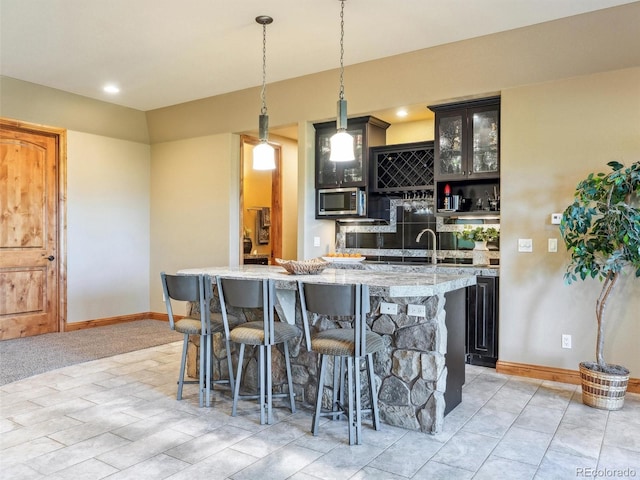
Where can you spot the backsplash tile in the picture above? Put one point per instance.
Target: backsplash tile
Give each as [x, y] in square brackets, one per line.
[396, 241]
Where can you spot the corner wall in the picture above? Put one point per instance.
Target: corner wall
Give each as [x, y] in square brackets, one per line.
[107, 227]
[553, 135]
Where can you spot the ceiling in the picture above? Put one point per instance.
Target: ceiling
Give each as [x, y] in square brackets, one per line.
[164, 52]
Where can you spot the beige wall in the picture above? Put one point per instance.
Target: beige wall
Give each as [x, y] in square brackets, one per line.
[308, 227]
[47, 106]
[409, 132]
[108, 205]
[194, 205]
[553, 135]
[289, 196]
[573, 46]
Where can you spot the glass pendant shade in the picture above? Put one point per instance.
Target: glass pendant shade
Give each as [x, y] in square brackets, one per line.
[264, 156]
[341, 147]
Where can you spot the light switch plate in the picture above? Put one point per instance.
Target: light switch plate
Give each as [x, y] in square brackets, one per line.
[316, 241]
[525, 245]
[553, 245]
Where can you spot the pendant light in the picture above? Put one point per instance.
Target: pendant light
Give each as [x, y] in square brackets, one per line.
[263, 153]
[341, 142]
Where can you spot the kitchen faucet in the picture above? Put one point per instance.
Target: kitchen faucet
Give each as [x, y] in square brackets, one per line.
[434, 259]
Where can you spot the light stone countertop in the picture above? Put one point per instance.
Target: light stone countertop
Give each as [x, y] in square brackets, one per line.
[440, 268]
[382, 283]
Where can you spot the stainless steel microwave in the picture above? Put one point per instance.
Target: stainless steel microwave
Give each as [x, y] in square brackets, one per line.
[341, 202]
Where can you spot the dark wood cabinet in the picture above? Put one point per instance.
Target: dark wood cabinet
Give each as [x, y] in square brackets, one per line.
[367, 132]
[482, 322]
[256, 260]
[467, 154]
[455, 357]
[406, 167]
[467, 139]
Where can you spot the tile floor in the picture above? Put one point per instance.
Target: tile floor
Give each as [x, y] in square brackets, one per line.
[117, 418]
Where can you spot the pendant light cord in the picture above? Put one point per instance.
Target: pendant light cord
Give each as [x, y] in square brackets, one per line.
[341, 93]
[263, 110]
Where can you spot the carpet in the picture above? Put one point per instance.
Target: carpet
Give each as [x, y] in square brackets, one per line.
[24, 357]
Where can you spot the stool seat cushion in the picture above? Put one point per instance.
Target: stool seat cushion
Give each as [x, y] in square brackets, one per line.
[339, 342]
[190, 326]
[252, 333]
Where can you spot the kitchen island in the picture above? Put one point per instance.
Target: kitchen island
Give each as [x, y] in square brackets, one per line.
[419, 376]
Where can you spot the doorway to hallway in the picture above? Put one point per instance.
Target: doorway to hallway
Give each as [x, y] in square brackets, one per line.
[260, 207]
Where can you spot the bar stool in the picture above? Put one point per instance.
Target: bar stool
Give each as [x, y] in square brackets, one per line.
[350, 302]
[258, 294]
[198, 289]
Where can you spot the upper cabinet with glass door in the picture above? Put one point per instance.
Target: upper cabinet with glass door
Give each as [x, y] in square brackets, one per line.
[367, 132]
[467, 144]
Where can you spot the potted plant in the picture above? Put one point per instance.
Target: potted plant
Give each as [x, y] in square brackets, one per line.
[601, 230]
[480, 236]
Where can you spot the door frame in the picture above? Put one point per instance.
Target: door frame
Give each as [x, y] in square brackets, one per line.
[60, 135]
[276, 198]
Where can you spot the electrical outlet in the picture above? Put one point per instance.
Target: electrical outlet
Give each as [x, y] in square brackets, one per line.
[566, 340]
[553, 245]
[388, 308]
[417, 310]
[316, 241]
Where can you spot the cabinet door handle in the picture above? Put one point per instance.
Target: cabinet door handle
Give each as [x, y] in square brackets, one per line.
[51, 258]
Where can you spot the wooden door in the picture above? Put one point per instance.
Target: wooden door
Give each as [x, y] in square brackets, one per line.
[29, 230]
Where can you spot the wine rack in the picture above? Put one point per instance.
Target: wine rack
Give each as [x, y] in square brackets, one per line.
[402, 168]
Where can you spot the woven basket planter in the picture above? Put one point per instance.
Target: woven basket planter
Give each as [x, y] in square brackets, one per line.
[603, 390]
[303, 267]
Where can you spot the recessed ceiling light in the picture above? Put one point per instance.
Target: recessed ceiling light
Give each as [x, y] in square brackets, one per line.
[111, 89]
[402, 113]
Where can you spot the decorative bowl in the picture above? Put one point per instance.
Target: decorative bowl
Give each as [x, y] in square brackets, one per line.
[303, 267]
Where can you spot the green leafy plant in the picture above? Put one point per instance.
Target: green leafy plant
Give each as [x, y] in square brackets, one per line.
[479, 234]
[601, 230]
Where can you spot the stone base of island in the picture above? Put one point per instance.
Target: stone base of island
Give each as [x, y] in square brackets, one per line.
[419, 376]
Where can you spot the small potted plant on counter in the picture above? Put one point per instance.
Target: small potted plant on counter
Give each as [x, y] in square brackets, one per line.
[480, 236]
[601, 230]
